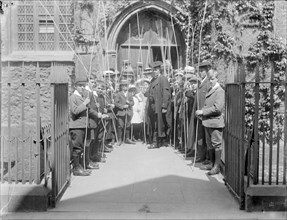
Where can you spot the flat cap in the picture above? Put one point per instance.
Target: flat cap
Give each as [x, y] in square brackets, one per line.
[204, 64]
[155, 64]
[81, 80]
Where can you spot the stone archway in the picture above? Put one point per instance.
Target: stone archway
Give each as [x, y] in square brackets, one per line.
[145, 32]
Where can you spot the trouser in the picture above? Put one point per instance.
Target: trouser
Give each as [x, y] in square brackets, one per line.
[77, 139]
[214, 138]
[124, 123]
[201, 141]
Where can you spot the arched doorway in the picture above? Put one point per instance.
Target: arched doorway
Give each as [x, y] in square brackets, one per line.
[146, 32]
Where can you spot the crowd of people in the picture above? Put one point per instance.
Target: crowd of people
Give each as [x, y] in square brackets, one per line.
[183, 109]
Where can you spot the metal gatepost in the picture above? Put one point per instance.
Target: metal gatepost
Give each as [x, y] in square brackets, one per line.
[60, 130]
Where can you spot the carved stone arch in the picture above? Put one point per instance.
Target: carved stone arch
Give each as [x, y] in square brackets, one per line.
[131, 34]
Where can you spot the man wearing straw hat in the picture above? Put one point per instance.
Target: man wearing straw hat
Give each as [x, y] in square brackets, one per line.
[124, 105]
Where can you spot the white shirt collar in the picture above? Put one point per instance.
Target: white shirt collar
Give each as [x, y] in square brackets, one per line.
[216, 85]
[77, 93]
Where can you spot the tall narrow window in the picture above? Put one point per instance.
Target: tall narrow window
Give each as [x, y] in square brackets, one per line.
[65, 24]
[25, 25]
[46, 26]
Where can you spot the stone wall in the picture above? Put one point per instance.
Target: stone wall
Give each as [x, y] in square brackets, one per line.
[23, 81]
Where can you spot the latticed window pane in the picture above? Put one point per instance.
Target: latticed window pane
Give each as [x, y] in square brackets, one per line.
[29, 9]
[21, 27]
[42, 37]
[50, 37]
[30, 37]
[21, 46]
[21, 37]
[29, 27]
[21, 18]
[63, 28]
[29, 18]
[64, 46]
[21, 9]
[30, 46]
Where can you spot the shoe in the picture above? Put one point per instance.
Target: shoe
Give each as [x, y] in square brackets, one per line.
[206, 162]
[190, 153]
[199, 160]
[214, 170]
[153, 146]
[80, 172]
[128, 141]
[107, 150]
[206, 167]
[92, 166]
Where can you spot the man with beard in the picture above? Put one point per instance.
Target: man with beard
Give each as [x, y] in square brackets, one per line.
[159, 106]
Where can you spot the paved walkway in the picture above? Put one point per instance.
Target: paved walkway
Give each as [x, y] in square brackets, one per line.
[137, 183]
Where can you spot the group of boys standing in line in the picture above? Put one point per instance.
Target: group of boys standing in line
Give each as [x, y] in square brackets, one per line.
[185, 110]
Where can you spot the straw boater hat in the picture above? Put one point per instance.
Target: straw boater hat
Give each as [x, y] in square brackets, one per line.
[124, 82]
[133, 88]
[189, 69]
[147, 70]
[178, 73]
[108, 73]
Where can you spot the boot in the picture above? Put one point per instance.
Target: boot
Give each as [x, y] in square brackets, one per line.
[210, 165]
[77, 168]
[216, 168]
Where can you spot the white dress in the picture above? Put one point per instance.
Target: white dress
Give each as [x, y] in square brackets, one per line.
[137, 110]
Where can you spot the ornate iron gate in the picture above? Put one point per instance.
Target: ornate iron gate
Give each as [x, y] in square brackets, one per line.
[59, 137]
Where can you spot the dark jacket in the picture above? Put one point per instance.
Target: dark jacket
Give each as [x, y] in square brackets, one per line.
[79, 112]
[121, 100]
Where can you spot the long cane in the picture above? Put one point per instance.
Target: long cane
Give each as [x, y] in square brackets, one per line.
[174, 123]
[85, 140]
[125, 126]
[103, 141]
[113, 121]
[184, 128]
[144, 129]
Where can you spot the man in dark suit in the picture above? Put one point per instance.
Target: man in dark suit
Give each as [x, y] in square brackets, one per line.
[159, 106]
[212, 115]
[124, 104]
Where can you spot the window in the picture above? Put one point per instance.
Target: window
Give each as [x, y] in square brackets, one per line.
[46, 26]
[25, 26]
[65, 25]
[36, 25]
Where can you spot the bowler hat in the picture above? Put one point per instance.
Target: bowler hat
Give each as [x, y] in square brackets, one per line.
[155, 64]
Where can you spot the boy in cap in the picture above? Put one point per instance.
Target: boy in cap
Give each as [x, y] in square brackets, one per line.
[124, 105]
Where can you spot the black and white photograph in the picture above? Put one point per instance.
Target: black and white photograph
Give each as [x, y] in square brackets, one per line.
[143, 109]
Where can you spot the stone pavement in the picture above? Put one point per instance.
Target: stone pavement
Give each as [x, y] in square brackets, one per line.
[140, 183]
